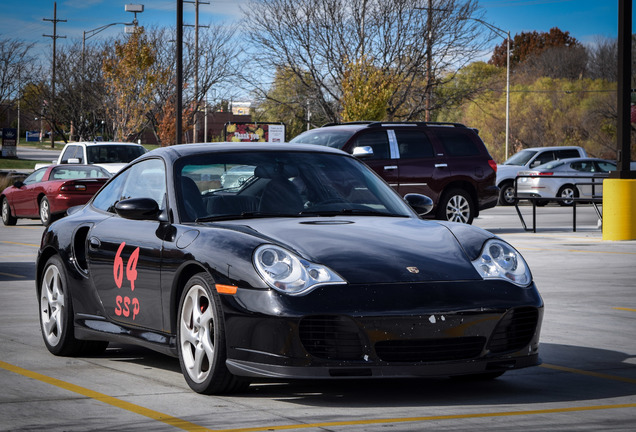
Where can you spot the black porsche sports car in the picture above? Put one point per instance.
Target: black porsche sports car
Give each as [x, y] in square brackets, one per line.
[311, 266]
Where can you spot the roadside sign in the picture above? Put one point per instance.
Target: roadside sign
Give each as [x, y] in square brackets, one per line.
[254, 132]
[9, 142]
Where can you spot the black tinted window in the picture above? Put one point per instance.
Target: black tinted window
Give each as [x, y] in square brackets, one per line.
[378, 141]
[413, 144]
[564, 154]
[457, 143]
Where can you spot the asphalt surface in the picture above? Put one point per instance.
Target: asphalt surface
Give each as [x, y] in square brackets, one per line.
[587, 381]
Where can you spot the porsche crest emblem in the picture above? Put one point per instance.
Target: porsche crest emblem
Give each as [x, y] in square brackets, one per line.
[413, 269]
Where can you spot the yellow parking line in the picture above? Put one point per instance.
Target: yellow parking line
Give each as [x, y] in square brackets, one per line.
[12, 275]
[589, 373]
[21, 244]
[625, 309]
[155, 415]
[188, 426]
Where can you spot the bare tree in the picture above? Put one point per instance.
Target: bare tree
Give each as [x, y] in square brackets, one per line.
[17, 67]
[317, 39]
[557, 62]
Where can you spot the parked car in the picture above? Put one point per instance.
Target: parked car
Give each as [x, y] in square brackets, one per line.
[312, 269]
[542, 182]
[48, 192]
[527, 159]
[446, 161]
[111, 156]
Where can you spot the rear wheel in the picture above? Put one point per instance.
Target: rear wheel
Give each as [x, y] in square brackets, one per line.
[456, 205]
[507, 194]
[568, 192]
[45, 212]
[7, 218]
[201, 339]
[56, 314]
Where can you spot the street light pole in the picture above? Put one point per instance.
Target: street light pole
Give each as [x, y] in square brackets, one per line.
[506, 34]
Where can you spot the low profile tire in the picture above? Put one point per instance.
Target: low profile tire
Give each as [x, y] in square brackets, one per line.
[201, 339]
[567, 191]
[45, 212]
[56, 314]
[507, 194]
[7, 218]
[456, 205]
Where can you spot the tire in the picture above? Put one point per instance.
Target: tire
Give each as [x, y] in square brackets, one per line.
[456, 206]
[7, 218]
[507, 194]
[56, 310]
[567, 191]
[45, 212]
[201, 339]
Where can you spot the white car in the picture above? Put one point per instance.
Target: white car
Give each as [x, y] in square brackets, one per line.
[528, 159]
[566, 179]
[111, 156]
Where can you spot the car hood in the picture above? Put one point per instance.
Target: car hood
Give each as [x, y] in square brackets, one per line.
[374, 249]
[508, 171]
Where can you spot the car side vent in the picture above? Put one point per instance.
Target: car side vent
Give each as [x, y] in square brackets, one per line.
[79, 248]
[430, 350]
[331, 337]
[514, 331]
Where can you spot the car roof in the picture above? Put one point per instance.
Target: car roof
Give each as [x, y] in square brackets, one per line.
[180, 150]
[550, 148]
[104, 143]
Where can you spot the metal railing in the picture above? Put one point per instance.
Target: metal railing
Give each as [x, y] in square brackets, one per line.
[593, 199]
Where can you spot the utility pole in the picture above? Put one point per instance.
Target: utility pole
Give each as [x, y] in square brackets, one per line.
[179, 103]
[196, 64]
[54, 36]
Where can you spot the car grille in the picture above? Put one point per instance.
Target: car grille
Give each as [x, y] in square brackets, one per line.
[331, 337]
[430, 350]
[514, 331]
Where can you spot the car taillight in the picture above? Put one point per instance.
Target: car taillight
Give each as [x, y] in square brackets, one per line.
[492, 164]
[546, 173]
[73, 187]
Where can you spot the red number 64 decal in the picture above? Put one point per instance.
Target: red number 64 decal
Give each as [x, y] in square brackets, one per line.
[131, 268]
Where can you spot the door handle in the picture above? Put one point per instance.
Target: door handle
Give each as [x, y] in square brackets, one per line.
[94, 242]
[390, 167]
[441, 165]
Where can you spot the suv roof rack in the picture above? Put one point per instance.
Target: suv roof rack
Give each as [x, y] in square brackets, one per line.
[381, 123]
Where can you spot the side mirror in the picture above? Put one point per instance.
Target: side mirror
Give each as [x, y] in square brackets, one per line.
[420, 203]
[74, 161]
[138, 209]
[18, 184]
[363, 151]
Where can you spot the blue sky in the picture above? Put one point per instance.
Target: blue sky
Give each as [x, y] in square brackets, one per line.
[586, 20]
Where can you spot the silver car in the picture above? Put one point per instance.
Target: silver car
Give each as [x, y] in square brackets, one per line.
[566, 179]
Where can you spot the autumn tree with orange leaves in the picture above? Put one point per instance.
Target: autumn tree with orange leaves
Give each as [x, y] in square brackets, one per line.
[131, 79]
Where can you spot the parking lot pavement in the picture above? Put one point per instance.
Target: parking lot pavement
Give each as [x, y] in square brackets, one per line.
[587, 381]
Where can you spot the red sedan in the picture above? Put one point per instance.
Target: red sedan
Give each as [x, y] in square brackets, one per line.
[48, 192]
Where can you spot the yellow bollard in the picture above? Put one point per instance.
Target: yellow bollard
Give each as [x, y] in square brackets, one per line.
[619, 209]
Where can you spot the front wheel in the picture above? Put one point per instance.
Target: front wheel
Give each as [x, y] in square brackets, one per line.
[201, 339]
[456, 206]
[7, 218]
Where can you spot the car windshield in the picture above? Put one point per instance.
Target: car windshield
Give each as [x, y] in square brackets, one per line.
[113, 153]
[325, 137]
[520, 158]
[220, 186]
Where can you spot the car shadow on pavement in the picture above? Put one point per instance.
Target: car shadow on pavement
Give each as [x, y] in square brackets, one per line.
[17, 271]
[543, 384]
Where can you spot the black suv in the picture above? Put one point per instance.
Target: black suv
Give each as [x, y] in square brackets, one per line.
[446, 161]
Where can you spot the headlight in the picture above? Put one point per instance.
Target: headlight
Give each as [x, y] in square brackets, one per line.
[290, 274]
[499, 260]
